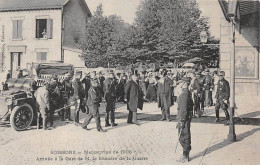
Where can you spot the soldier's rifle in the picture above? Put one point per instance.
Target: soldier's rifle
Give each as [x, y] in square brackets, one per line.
[178, 139]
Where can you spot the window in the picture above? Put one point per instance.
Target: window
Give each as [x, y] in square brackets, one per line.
[250, 20]
[44, 28]
[17, 29]
[41, 56]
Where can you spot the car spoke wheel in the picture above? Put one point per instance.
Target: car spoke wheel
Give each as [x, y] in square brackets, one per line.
[21, 117]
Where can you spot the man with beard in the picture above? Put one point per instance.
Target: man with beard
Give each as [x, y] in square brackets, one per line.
[134, 98]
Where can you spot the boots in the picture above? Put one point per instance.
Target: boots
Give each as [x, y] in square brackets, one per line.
[227, 117]
[185, 157]
[107, 120]
[135, 118]
[38, 120]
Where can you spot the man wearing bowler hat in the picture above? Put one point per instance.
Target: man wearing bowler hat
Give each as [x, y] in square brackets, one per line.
[222, 96]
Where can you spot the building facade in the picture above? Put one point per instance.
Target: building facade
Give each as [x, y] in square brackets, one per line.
[38, 31]
[247, 45]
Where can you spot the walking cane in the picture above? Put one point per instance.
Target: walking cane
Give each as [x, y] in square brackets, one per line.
[178, 141]
[64, 108]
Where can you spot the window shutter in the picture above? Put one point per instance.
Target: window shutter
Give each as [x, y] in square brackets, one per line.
[15, 29]
[37, 28]
[20, 29]
[44, 56]
[49, 28]
[39, 55]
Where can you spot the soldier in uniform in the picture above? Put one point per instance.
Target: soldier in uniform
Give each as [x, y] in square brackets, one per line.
[110, 85]
[184, 115]
[222, 96]
[55, 98]
[42, 104]
[202, 83]
[93, 102]
[67, 92]
[164, 95]
[198, 94]
[87, 82]
[208, 86]
[78, 96]
[101, 80]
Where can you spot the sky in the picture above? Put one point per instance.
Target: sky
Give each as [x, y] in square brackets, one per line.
[127, 8]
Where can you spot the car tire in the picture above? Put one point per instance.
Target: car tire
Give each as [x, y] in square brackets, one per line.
[21, 117]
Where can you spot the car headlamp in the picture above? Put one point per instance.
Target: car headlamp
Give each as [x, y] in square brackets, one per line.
[9, 101]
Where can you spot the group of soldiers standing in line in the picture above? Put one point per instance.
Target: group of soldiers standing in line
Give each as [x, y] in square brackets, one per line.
[190, 90]
[193, 91]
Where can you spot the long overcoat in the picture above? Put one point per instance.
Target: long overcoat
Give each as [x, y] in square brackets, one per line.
[164, 92]
[134, 96]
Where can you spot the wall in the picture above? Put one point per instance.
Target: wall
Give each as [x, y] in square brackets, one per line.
[247, 41]
[75, 18]
[76, 61]
[53, 46]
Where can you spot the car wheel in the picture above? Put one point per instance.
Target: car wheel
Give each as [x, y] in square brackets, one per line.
[21, 117]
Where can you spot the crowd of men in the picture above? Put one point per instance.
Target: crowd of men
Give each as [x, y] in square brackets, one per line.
[193, 91]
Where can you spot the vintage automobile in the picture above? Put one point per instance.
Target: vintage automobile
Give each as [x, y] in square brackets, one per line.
[17, 102]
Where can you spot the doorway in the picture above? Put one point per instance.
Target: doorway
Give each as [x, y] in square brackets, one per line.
[15, 63]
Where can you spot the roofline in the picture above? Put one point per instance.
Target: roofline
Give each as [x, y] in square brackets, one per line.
[23, 9]
[72, 49]
[86, 7]
[222, 5]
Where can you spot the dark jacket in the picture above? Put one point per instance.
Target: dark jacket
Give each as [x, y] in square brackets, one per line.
[223, 90]
[110, 89]
[164, 90]
[185, 106]
[87, 83]
[94, 97]
[134, 96]
[78, 89]
[67, 90]
[208, 82]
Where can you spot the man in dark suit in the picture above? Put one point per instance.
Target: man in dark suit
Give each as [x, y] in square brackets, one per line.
[93, 102]
[110, 84]
[164, 95]
[78, 96]
[222, 96]
[134, 97]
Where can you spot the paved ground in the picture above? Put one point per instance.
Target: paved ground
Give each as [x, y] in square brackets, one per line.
[153, 142]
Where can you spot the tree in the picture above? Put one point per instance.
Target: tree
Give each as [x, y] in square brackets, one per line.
[171, 29]
[98, 39]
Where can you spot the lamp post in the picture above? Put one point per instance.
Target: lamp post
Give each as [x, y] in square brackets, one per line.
[232, 9]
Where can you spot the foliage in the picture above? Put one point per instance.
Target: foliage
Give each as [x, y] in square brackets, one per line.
[164, 31]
